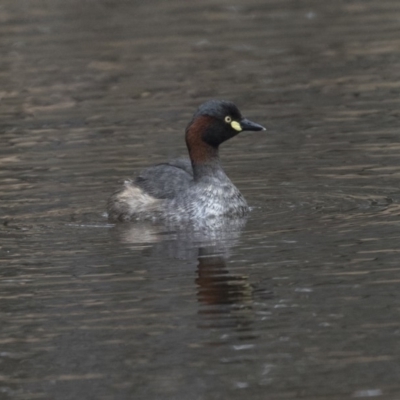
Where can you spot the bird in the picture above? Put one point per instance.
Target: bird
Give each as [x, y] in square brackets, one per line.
[188, 189]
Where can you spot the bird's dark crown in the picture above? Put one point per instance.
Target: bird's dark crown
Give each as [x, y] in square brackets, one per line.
[218, 109]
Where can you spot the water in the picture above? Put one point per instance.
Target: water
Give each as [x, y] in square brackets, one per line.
[302, 302]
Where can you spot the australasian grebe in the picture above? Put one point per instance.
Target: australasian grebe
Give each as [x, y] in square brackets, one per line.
[188, 189]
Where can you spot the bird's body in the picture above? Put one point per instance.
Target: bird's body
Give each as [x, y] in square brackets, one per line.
[188, 189]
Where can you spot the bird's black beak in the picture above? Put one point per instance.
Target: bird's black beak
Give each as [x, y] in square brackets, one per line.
[247, 125]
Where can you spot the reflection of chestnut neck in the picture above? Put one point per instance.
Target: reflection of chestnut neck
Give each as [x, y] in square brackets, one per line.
[212, 277]
[204, 157]
[217, 285]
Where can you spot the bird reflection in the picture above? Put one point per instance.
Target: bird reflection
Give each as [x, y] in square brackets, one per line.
[225, 298]
[216, 285]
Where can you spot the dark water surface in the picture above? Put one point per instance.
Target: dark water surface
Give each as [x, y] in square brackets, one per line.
[303, 303]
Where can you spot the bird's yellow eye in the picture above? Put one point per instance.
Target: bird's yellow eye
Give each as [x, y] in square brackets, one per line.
[228, 119]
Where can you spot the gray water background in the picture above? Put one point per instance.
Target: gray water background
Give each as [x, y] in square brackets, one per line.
[302, 303]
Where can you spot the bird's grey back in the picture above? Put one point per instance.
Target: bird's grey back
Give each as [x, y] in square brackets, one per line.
[166, 180]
